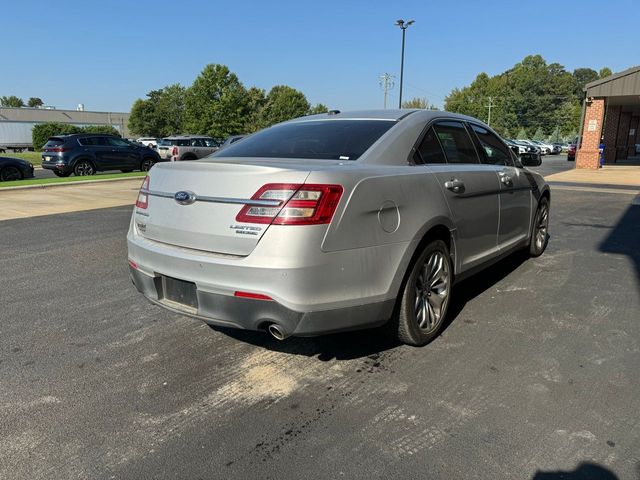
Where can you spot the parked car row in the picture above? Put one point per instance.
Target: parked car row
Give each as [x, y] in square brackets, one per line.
[536, 146]
[86, 154]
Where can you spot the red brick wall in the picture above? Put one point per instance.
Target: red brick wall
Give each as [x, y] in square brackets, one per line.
[588, 156]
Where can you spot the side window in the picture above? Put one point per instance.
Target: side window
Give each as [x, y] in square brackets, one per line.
[430, 150]
[495, 153]
[197, 142]
[117, 142]
[92, 141]
[210, 142]
[456, 143]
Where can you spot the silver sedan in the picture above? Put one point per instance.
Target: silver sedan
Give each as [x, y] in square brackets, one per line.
[334, 222]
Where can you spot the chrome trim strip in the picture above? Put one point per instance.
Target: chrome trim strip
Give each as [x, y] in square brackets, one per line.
[234, 201]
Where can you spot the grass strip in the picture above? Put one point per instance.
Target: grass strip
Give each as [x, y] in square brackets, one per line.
[49, 181]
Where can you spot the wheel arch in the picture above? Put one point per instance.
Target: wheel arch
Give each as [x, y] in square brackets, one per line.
[13, 166]
[80, 158]
[439, 228]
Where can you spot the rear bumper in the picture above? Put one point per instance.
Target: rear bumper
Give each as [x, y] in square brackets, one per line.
[249, 314]
[55, 165]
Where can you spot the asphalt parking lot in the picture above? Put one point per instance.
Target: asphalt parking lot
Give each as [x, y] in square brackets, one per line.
[535, 376]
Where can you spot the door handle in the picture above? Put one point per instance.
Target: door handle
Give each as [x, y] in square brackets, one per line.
[455, 185]
[506, 180]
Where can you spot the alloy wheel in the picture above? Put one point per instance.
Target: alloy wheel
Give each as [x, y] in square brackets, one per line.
[432, 291]
[146, 165]
[542, 226]
[10, 173]
[84, 168]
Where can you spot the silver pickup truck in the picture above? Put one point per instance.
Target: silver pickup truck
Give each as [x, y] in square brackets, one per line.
[186, 147]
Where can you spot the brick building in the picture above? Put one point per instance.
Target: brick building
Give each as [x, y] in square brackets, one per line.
[611, 115]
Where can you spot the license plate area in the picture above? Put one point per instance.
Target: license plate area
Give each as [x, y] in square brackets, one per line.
[179, 293]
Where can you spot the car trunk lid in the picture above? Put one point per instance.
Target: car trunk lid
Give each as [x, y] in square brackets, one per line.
[215, 192]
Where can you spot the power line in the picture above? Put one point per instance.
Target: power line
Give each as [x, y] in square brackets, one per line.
[387, 83]
[489, 107]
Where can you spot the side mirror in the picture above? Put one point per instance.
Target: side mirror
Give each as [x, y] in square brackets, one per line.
[531, 159]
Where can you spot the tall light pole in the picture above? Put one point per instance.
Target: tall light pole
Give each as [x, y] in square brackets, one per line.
[403, 26]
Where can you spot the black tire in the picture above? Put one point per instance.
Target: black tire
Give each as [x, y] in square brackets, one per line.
[429, 283]
[84, 168]
[126, 171]
[146, 164]
[540, 230]
[189, 157]
[10, 173]
[58, 173]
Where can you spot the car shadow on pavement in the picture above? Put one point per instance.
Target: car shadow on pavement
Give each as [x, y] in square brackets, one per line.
[473, 286]
[624, 238]
[585, 471]
[372, 342]
[339, 346]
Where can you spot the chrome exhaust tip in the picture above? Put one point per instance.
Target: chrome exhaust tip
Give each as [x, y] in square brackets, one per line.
[276, 332]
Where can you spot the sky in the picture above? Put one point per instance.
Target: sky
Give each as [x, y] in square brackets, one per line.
[106, 54]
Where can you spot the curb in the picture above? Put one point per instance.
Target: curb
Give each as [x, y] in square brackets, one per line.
[71, 184]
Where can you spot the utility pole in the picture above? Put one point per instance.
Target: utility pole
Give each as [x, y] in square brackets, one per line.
[490, 106]
[403, 26]
[386, 82]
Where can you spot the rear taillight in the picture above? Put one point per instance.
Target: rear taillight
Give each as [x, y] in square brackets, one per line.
[298, 204]
[56, 149]
[143, 196]
[174, 151]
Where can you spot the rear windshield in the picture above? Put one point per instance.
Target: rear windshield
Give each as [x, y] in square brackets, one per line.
[318, 140]
[54, 142]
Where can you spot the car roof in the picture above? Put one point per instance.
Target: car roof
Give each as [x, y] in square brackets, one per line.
[73, 135]
[395, 114]
[178, 137]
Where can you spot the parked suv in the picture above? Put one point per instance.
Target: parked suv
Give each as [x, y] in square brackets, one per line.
[83, 154]
[187, 147]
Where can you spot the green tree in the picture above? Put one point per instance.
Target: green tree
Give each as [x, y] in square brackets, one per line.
[526, 96]
[318, 108]
[581, 77]
[605, 72]
[539, 134]
[11, 101]
[283, 103]
[35, 102]
[170, 110]
[254, 103]
[416, 102]
[522, 134]
[160, 114]
[216, 103]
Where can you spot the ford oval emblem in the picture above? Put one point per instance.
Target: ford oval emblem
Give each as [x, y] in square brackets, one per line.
[185, 198]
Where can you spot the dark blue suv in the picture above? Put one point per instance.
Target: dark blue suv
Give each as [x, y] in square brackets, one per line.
[86, 154]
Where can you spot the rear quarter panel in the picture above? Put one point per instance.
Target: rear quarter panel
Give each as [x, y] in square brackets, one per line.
[382, 217]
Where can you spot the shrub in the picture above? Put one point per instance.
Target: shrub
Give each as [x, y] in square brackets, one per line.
[41, 132]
